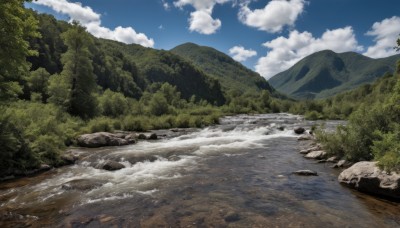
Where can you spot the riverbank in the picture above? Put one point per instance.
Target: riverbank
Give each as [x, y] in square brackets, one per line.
[237, 173]
[364, 176]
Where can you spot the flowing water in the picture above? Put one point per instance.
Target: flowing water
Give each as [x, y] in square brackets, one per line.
[236, 174]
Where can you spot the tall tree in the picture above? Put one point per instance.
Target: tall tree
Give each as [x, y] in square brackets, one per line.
[16, 25]
[77, 76]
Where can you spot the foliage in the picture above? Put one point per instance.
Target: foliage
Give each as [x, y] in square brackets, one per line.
[77, 76]
[38, 82]
[34, 133]
[17, 25]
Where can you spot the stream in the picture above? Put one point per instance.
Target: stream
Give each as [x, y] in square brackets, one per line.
[235, 174]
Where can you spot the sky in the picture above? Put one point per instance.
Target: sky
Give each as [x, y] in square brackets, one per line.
[267, 36]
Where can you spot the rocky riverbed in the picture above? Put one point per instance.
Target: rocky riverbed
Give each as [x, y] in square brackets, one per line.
[237, 174]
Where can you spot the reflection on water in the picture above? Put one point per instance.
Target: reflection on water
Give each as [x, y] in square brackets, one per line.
[234, 174]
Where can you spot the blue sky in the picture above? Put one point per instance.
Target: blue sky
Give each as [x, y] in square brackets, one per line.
[268, 36]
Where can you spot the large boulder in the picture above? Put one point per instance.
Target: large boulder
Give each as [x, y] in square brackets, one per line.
[368, 178]
[100, 139]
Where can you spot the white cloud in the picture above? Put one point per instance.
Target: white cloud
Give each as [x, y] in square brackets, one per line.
[274, 16]
[240, 54]
[92, 21]
[285, 52]
[385, 34]
[166, 5]
[201, 20]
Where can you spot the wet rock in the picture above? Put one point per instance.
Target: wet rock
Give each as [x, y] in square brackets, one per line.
[281, 128]
[305, 172]
[343, 164]
[142, 136]
[319, 154]
[82, 184]
[232, 217]
[367, 177]
[131, 138]
[305, 151]
[332, 159]
[299, 130]
[112, 166]
[153, 136]
[69, 159]
[100, 139]
[305, 138]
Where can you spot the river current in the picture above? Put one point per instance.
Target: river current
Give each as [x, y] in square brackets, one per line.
[235, 174]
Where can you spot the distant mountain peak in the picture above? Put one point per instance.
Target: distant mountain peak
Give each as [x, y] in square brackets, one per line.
[326, 73]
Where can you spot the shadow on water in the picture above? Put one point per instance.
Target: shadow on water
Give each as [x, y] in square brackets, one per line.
[234, 174]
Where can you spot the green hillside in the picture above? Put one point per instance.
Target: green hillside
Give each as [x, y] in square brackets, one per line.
[231, 74]
[129, 69]
[326, 73]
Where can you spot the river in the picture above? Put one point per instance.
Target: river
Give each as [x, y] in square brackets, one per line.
[236, 174]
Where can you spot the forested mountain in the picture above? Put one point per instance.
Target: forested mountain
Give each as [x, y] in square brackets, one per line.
[230, 73]
[129, 69]
[326, 73]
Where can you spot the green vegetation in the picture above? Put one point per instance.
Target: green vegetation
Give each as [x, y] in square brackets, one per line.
[326, 73]
[373, 130]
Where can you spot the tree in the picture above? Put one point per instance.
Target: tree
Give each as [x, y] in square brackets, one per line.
[38, 82]
[16, 25]
[158, 104]
[77, 75]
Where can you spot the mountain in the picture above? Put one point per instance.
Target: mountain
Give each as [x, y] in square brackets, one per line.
[231, 74]
[326, 73]
[129, 69]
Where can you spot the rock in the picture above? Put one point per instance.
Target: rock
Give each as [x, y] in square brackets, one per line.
[281, 128]
[343, 164]
[153, 136]
[112, 166]
[306, 151]
[306, 172]
[232, 217]
[319, 154]
[142, 136]
[131, 138]
[82, 184]
[299, 130]
[332, 159]
[100, 139]
[305, 138]
[367, 177]
[69, 159]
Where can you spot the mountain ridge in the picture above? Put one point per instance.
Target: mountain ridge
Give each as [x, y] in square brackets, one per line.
[230, 73]
[326, 73]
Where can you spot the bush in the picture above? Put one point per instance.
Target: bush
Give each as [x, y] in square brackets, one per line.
[100, 124]
[136, 123]
[386, 150]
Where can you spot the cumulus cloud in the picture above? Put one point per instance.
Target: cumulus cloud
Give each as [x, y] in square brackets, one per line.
[201, 19]
[92, 21]
[385, 34]
[284, 52]
[274, 16]
[240, 54]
